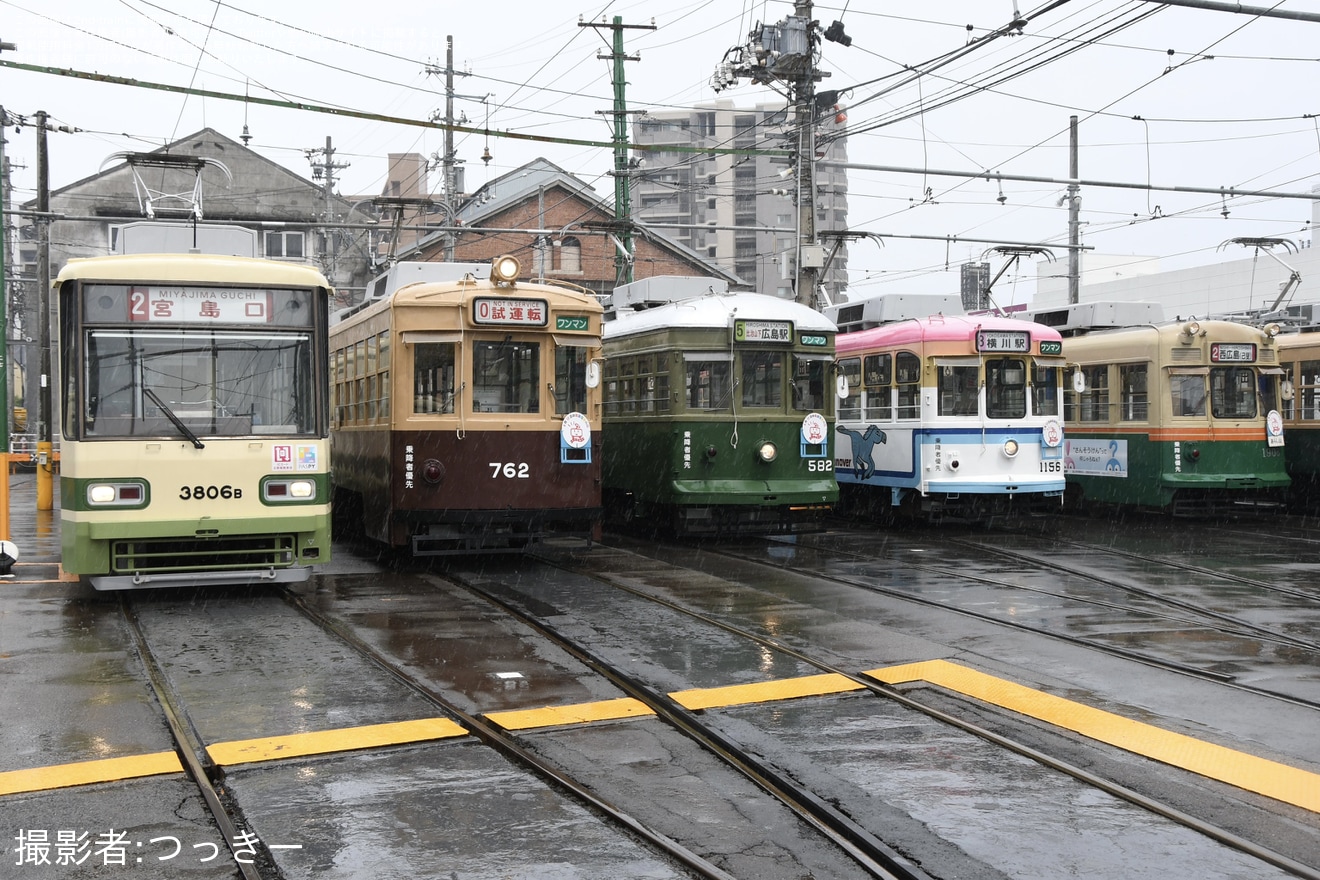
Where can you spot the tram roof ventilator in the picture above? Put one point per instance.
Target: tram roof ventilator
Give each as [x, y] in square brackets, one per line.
[888, 308]
[411, 272]
[1080, 317]
[661, 290]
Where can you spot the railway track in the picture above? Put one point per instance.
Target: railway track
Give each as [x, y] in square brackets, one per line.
[868, 856]
[510, 586]
[251, 856]
[1037, 575]
[961, 721]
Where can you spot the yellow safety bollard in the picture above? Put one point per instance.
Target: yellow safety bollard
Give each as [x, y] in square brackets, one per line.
[4, 502]
[45, 467]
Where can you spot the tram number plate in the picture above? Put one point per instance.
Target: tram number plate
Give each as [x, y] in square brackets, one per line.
[208, 493]
[512, 470]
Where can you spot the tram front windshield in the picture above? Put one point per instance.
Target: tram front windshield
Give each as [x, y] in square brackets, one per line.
[218, 383]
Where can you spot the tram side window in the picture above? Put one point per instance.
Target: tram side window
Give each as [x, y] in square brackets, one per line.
[762, 378]
[383, 347]
[1093, 403]
[646, 384]
[1233, 392]
[662, 400]
[570, 379]
[958, 390]
[1044, 390]
[506, 377]
[908, 373]
[627, 385]
[809, 374]
[878, 371]
[1187, 395]
[1006, 388]
[1133, 403]
[1308, 388]
[708, 384]
[611, 387]
[850, 407]
[433, 378]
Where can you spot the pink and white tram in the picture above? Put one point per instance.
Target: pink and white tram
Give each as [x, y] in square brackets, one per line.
[950, 416]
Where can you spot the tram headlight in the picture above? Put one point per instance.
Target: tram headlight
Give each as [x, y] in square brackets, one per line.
[1010, 448]
[288, 490]
[505, 269]
[766, 451]
[118, 494]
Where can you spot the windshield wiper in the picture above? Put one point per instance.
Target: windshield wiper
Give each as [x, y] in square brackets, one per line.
[178, 423]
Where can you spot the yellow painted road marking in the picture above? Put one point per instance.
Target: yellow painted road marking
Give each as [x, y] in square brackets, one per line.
[1279, 781]
[322, 742]
[581, 713]
[1272, 779]
[89, 772]
[765, 691]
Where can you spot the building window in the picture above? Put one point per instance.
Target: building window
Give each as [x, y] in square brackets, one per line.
[570, 255]
[285, 244]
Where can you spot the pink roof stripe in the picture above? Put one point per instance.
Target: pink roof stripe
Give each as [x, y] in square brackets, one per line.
[938, 328]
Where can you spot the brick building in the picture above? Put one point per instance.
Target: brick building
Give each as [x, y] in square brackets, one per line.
[558, 227]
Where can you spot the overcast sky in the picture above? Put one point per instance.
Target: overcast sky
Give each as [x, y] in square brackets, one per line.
[1167, 96]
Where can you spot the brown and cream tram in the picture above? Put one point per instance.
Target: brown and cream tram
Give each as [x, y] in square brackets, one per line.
[467, 411]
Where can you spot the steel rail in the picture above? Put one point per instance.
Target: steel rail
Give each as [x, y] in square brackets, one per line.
[191, 751]
[893, 693]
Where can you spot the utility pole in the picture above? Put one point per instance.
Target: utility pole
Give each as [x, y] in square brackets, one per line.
[810, 255]
[325, 172]
[1074, 218]
[623, 255]
[449, 161]
[4, 308]
[4, 330]
[45, 461]
[785, 53]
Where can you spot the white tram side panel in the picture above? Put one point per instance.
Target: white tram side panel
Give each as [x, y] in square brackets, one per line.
[924, 414]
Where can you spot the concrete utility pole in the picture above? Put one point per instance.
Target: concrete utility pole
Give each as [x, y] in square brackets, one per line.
[449, 161]
[786, 53]
[623, 255]
[810, 255]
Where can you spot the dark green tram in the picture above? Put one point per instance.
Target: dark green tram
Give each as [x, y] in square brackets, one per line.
[719, 409]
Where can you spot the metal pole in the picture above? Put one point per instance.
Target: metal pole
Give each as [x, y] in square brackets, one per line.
[622, 185]
[1074, 219]
[45, 457]
[4, 333]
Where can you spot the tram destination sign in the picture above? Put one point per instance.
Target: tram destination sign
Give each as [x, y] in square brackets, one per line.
[503, 310]
[1233, 353]
[763, 331]
[196, 305]
[1012, 341]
